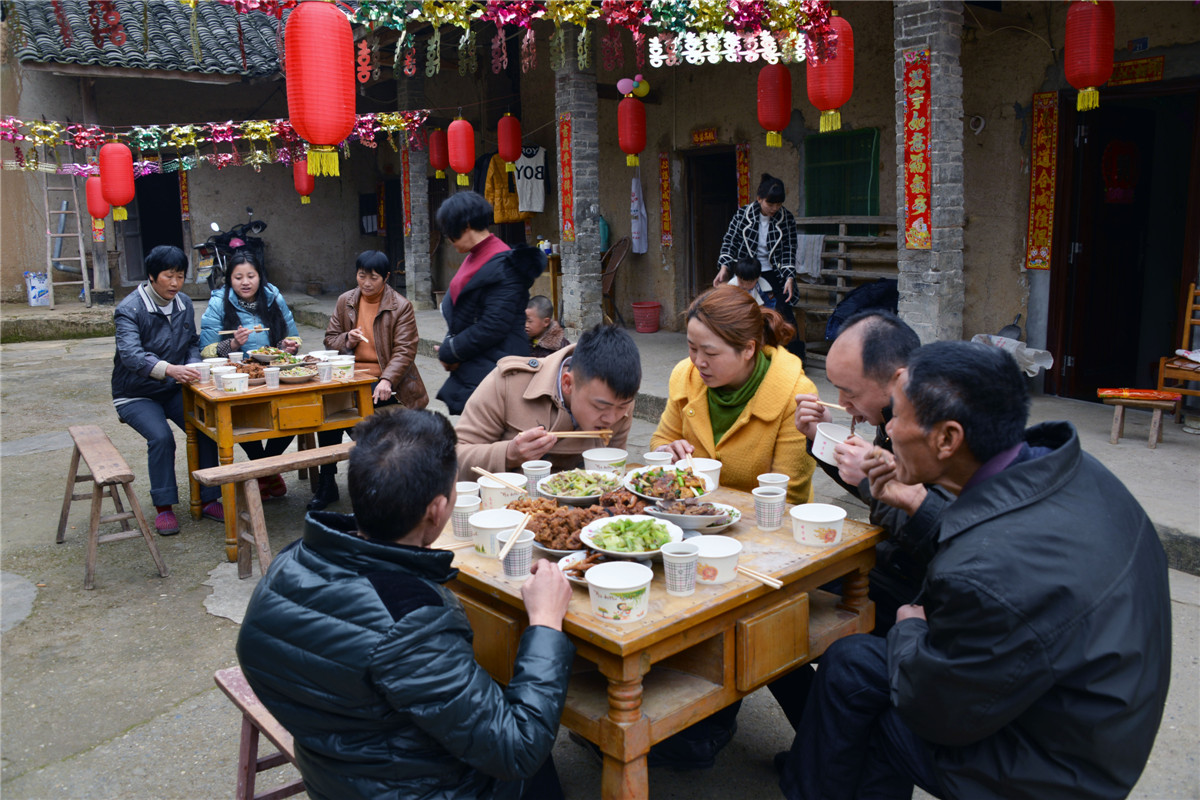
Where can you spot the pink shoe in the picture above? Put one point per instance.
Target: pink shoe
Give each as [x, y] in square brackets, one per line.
[277, 486]
[213, 510]
[166, 524]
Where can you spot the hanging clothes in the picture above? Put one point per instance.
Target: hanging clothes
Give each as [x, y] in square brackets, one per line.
[499, 192]
[531, 179]
[639, 233]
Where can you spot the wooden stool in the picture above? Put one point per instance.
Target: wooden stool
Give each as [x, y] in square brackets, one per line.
[1118, 425]
[108, 470]
[256, 720]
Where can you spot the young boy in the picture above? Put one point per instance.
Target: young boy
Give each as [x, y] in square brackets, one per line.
[747, 273]
[544, 332]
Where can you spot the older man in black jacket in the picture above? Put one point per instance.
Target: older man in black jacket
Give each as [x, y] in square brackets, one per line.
[1037, 662]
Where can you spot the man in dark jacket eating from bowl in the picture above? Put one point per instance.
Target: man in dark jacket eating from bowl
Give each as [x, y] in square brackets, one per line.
[356, 646]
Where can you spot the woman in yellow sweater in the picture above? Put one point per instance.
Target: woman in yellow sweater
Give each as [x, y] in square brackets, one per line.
[734, 397]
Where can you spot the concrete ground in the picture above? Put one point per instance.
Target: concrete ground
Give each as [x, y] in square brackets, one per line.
[109, 694]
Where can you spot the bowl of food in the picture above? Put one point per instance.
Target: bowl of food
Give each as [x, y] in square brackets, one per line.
[297, 374]
[630, 536]
[735, 516]
[265, 355]
[255, 370]
[691, 514]
[578, 487]
[575, 565]
[668, 483]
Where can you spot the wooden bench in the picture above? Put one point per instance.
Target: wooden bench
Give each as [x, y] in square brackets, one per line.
[251, 526]
[256, 722]
[108, 471]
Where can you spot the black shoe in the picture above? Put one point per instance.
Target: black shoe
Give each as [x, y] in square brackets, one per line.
[327, 492]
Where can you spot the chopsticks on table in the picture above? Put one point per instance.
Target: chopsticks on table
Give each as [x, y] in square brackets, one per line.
[761, 577]
[458, 545]
[512, 539]
[498, 479]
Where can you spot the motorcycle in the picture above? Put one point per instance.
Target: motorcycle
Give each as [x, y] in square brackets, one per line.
[215, 253]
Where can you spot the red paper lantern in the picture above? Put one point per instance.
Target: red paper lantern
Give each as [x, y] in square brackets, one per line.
[631, 129]
[116, 178]
[98, 207]
[439, 154]
[831, 82]
[460, 141]
[1088, 57]
[303, 181]
[319, 48]
[774, 101]
[508, 135]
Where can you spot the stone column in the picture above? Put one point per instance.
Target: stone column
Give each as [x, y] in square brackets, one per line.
[931, 281]
[575, 92]
[410, 94]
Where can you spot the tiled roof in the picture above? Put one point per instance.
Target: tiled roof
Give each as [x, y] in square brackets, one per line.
[158, 35]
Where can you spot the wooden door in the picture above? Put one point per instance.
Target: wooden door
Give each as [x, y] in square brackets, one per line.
[712, 202]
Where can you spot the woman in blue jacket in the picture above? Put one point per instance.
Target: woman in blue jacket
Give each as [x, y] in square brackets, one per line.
[257, 313]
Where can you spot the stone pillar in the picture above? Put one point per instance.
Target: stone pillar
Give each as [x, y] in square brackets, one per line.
[575, 92]
[931, 281]
[418, 269]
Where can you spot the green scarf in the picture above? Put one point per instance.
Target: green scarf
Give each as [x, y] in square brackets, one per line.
[725, 405]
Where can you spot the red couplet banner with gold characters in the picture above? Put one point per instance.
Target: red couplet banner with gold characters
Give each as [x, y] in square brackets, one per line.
[1042, 175]
[664, 188]
[185, 198]
[404, 191]
[917, 214]
[743, 173]
[566, 178]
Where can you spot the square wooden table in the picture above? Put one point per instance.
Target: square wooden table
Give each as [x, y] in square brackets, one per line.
[635, 684]
[261, 413]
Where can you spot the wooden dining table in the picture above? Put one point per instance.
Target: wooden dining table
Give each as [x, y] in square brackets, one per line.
[261, 413]
[635, 684]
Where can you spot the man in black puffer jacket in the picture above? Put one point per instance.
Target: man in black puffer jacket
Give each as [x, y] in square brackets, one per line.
[355, 645]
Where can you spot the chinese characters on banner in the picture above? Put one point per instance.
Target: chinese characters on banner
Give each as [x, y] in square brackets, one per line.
[566, 178]
[185, 202]
[743, 173]
[404, 173]
[1042, 176]
[664, 188]
[1139, 70]
[917, 215]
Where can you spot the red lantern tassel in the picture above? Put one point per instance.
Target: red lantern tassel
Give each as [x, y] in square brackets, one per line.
[322, 160]
[305, 200]
[631, 160]
[830, 121]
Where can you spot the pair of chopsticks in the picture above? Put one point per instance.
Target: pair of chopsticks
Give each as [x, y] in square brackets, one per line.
[512, 539]
[853, 421]
[360, 336]
[255, 329]
[459, 545]
[761, 577]
[498, 479]
[603, 435]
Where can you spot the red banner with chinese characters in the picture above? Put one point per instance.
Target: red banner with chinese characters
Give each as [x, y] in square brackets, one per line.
[185, 201]
[404, 175]
[743, 173]
[1042, 175]
[664, 188]
[566, 178]
[1139, 70]
[917, 214]
[97, 230]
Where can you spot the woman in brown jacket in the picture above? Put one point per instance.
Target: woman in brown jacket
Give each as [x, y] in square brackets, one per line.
[377, 325]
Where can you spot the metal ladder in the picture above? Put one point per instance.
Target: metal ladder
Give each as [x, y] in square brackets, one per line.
[61, 204]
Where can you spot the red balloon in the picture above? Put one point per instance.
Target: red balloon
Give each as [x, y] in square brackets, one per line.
[116, 177]
[831, 82]
[631, 129]
[508, 134]
[460, 140]
[1088, 54]
[98, 207]
[302, 180]
[439, 154]
[319, 49]
[774, 101]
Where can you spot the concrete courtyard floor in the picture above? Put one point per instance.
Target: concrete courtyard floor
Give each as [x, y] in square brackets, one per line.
[109, 694]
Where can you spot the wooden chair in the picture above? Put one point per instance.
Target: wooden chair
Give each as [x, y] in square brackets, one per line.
[108, 471]
[610, 262]
[257, 721]
[1177, 369]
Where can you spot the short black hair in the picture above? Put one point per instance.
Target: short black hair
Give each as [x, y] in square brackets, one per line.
[541, 306]
[887, 342]
[166, 257]
[461, 211]
[373, 261]
[610, 354]
[747, 270]
[771, 189]
[977, 385]
[402, 459]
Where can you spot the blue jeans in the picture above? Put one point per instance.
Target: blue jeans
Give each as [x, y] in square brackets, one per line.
[851, 742]
[148, 416]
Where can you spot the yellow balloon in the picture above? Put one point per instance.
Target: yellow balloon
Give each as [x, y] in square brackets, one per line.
[641, 89]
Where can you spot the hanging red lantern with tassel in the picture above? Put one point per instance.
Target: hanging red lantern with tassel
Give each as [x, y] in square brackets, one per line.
[631, 129]
[303, 181]
[97, 206]
[774, 101]
[116, 178]
[508, 136]
[460, 142]
[319, 48]
[831, 81]
[1088, 54]
[439, 154]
